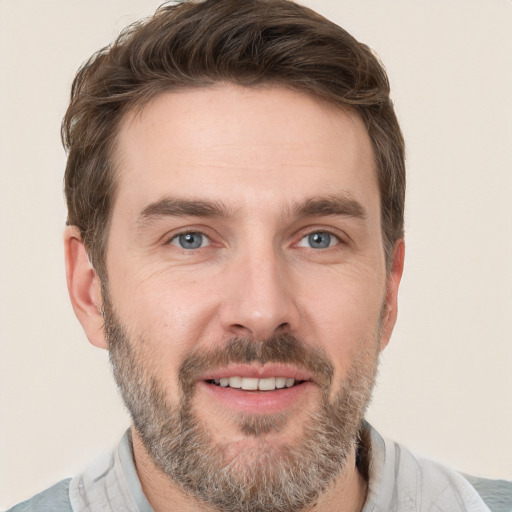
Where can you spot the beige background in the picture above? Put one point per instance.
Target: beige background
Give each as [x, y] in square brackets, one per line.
[445, 386]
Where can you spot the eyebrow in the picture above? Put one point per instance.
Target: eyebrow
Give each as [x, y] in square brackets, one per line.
[176, 207]
[340, 205]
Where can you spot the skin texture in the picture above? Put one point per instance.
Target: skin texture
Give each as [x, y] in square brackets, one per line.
[260, 156]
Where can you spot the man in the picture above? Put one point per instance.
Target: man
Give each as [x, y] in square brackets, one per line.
[235, 188]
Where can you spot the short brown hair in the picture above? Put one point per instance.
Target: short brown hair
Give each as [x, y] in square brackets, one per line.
[200, 43]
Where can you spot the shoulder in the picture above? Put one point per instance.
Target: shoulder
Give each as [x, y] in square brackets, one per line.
[400, 480]
[442, 487]
[497, 494]
[55, 498]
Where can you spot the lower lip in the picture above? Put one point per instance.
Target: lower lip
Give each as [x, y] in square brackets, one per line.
[258, 402]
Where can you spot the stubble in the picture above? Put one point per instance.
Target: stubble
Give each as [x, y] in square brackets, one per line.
[284, 478]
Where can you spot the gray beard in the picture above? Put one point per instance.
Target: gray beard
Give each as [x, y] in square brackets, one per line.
[265, 478]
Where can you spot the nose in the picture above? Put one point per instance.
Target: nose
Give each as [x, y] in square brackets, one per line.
[259, 299]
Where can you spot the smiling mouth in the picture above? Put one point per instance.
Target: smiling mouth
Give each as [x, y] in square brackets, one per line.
[256, 384]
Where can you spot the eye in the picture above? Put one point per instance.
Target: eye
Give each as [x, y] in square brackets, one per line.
[319, 240]
[190, 240]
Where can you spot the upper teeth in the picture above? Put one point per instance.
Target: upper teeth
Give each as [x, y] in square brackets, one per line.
[251, 383]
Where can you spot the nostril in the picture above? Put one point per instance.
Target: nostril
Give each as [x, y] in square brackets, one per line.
[240, 330]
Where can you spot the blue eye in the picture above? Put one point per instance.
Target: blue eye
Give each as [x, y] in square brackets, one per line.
[319, 240]
[192, 240]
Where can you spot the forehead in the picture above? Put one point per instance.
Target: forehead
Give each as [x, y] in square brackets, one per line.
[237, 143]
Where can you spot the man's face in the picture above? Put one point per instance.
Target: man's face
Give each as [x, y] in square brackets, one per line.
[245, 252]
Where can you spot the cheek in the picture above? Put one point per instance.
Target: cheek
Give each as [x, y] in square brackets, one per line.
[165, 320]
[168, 304]
[344, 318]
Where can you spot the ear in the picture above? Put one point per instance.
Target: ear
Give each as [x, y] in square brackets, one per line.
[84, 287]
[390, 309]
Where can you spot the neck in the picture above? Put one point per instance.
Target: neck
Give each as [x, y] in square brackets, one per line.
[346, 494]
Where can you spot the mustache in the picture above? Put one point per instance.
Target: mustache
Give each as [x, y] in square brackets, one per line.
[279, 348]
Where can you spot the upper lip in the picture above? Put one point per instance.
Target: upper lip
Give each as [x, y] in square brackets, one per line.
[258, 371]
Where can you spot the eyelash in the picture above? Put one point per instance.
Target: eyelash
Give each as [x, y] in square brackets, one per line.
[177, 236]
[324, 232]
[174, 240]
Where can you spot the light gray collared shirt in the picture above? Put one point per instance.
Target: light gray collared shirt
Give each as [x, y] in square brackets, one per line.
[398, 482]
[110, 484]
